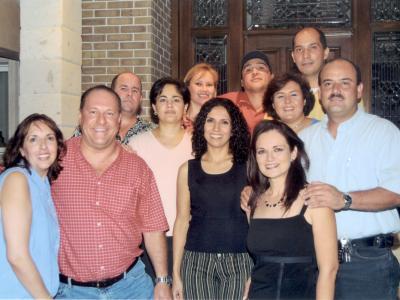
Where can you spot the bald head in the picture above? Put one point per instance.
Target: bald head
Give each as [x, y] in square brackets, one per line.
[341, 89]
[129, 88]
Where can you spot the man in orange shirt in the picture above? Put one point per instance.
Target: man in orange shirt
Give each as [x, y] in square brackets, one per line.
[256, 74]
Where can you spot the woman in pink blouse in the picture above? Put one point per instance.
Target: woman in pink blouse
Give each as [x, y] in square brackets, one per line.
[168, 146]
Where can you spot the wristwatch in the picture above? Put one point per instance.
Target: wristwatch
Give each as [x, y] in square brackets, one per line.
[347, 201]
[163, 279]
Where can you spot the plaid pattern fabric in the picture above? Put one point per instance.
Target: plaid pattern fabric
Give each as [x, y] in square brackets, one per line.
[102, 217]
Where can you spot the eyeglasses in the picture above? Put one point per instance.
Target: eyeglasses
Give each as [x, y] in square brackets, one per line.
[259, 67]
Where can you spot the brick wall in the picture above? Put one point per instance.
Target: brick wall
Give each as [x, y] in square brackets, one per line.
[120, 35]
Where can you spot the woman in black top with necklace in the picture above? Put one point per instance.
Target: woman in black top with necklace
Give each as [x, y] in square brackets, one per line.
[210, 256]
[288, 241]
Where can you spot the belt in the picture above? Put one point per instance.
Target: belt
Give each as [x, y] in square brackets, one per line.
[346, 246]
[377, 241]
[97, 284]
[284, 259]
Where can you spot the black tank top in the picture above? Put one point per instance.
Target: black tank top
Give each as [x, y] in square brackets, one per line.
[281, 237]
[218, 225]
[285, 265]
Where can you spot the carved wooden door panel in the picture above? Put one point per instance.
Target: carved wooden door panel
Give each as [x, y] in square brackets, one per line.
[221, 31]
[278, 48]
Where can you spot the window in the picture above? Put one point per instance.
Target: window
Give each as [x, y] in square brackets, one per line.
[8, 98]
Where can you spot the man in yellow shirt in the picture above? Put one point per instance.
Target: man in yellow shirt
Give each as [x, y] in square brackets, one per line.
[310, 50]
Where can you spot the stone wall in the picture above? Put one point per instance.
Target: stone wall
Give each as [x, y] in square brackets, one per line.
[122, 35]
[50, 60]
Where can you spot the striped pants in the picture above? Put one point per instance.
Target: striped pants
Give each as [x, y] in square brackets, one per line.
[215, 275]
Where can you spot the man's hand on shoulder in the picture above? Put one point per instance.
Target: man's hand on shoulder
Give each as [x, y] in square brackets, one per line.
[319, 194]
[244, 198]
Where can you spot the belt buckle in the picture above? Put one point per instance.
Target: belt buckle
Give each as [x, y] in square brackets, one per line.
[345, 250]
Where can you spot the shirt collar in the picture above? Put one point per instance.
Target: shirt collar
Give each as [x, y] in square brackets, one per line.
[346, 125]
[243, 99]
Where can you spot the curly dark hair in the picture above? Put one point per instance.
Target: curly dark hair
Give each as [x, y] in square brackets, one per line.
[157, 89]
[296, 177]
[240, 136]
[12, 156]
[277, 83]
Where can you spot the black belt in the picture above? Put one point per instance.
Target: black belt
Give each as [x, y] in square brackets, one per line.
[377, 241]
[346, 246]
[284, 259]
[97, 284]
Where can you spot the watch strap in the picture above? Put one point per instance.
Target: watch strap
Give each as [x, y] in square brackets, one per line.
[347, 201]
[163, 279]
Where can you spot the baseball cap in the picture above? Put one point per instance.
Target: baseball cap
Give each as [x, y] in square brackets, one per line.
[255, 54]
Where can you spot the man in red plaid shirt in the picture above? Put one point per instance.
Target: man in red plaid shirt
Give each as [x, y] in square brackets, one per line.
[107, 199]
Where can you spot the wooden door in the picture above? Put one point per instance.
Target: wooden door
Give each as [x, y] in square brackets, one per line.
[278, 47]
[365, 31]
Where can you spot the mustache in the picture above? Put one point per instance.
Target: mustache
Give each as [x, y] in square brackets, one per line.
[336, 95]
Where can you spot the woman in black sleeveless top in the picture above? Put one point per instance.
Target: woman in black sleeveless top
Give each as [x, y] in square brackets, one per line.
[294, 248]
[210, 255]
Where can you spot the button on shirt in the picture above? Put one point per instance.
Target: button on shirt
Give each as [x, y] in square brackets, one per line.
[102, 217]
[364, 155]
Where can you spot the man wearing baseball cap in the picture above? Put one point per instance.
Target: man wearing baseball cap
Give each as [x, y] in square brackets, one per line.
[256, 74]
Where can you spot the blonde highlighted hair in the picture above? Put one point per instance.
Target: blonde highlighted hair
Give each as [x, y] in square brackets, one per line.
[201, 68]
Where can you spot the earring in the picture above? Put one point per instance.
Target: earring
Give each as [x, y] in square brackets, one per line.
[155, 113]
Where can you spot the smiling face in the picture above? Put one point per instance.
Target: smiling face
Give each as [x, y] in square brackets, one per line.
[218, 128]
[128, 87]
[289, 103]
[40, 147]
[202, 88]
[340, 93]
[169, 106]
[308, 53]
[273, 155]
[99, 120]
[256, 75]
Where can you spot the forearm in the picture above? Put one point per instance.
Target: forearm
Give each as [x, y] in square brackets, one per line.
[180, 232]
[28, 275]
[376, 199]
[156, 247]
[326, 284]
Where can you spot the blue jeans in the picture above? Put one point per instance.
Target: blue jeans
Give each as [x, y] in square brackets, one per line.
[136, 285]
[372, 273]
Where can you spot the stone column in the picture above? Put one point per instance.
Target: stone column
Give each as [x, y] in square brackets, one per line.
[50, 60]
